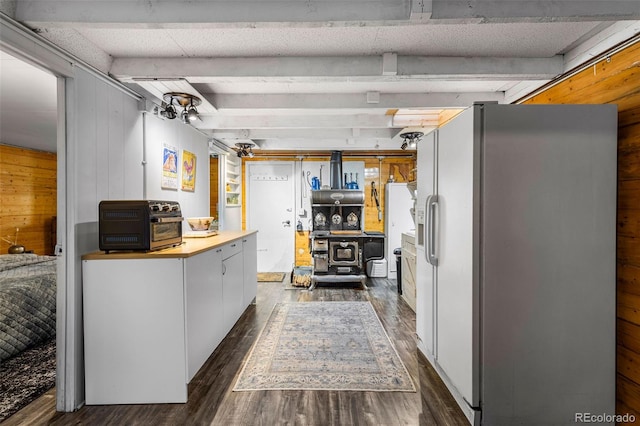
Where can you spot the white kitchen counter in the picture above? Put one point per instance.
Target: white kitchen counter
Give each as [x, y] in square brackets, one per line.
[152, 319]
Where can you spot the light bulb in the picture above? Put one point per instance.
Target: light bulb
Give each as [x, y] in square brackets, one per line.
[192, 113]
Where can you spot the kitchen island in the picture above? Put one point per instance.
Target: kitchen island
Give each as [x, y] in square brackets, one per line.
[152, 319]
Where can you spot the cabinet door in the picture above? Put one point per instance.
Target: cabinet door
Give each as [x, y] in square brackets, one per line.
[203, 277]
[408, 278]
[232, 289]
[134, 331]
[250, 269]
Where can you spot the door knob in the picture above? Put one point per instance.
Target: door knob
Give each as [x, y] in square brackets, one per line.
[286, 223]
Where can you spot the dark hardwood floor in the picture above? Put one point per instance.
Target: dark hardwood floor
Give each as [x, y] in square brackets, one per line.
[211, 401]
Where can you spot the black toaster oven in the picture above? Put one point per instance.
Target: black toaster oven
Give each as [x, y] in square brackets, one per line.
[143, 225]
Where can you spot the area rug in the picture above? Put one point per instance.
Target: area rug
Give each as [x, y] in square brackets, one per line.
[324, 346]
[26, 376]
[271, 277]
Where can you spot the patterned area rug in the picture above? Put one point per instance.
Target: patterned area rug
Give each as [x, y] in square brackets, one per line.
[26, 376]
[324, 346]
[270, 277]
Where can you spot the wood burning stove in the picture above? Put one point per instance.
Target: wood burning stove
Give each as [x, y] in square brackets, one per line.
[336, 236]
[340, 248]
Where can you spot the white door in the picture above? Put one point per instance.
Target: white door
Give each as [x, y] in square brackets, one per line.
[271, 198]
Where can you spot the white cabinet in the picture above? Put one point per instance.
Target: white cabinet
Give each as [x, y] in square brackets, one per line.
[134, 333]
[232, 284]
[151, 320]
[204, 312]
[408, 265]
[250, 267]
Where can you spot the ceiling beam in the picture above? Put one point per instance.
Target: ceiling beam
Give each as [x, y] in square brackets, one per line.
[214, 13]
[535, 10]
[178, 14]
[329, 121]
[310, 145]
[333, 100]
[299, 134]
[329, 68]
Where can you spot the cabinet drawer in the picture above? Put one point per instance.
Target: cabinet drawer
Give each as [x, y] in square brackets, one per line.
[231, 248]
[408, 244]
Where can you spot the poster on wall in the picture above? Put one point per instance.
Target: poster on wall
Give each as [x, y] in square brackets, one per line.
[188, 171]
[169, 167]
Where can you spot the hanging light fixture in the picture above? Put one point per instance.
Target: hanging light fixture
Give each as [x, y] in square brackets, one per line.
[410, 139]
[245, 149]
[188, 103]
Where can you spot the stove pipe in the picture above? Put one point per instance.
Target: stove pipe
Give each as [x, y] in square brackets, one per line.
[335, 170]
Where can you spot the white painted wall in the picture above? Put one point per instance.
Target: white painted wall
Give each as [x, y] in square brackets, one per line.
[183, 137]
[103, 161]
[100, 156]
[107, 145]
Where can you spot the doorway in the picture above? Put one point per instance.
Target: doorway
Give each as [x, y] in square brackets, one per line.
[270, 210]
[30, 212]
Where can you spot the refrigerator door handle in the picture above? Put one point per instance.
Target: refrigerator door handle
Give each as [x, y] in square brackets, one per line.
[432, 212]
[428, 229]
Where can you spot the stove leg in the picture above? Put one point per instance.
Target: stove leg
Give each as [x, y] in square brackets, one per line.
[364, 284]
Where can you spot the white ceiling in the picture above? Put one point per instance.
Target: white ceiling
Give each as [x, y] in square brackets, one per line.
[325, 74]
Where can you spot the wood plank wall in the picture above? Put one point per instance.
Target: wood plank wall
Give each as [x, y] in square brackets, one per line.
[27, 198]
[616, 80]
[401, 167]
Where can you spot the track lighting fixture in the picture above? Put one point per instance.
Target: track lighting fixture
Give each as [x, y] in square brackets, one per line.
[410, 139]
[188, 103]
[245, 149]
[192, 114]
[169, 112]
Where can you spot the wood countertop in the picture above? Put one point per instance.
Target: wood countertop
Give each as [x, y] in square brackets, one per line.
[190, 247]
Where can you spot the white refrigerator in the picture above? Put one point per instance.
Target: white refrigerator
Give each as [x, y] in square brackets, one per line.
[516, 261]
[398, 219]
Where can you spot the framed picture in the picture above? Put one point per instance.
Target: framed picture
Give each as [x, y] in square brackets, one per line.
[169, 168]
[188, 171]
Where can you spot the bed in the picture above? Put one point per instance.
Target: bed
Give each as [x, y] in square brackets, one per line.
[27, 302]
